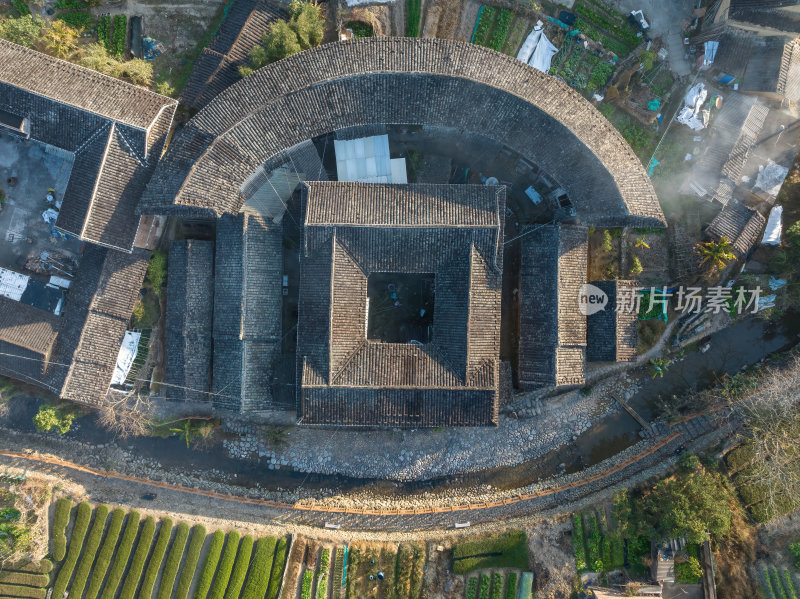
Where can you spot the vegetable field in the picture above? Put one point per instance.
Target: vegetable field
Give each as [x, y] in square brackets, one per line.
[492, 27]
[494, 585]
[509, 550]
[598, 547]
[119, 555]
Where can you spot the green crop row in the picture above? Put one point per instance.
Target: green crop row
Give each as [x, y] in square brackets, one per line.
[104, 31]
[308, 578]
[322, 586]
[472, 588]
[776, 582]
[156, 559]
[511, 586]
[210, 565]
[74, 551]
[173, 562]
[258, 575]
[105, 554]
[60, 522]
[129, 535]
[10, 590]
[497, 586]
[787, 578]
[78, 20]
[770, 588]
[613, 25]
[594, 544]
[485, 22]
[483, 591]
[120, 35]
[578, 542]
[90, 551]
[190, 563]
[24, 578]
[414, 10]
[240, 568]
[139, 558]
[44, 566]
[225, 566]
[501, 30]
[277, 569]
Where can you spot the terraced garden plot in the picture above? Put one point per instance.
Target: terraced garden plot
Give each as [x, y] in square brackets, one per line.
[402, 569]
[606, 25]
[493, 26]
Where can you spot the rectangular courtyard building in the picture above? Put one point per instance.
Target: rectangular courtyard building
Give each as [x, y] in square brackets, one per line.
[399, 313]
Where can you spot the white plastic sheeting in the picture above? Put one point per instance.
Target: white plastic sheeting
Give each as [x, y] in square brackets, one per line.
[693, 102]
[770, 178]
[12, 284]
[399, 174]
[772, 234]
[710, 53]
[126, 356]
[60, 282]
[543, 55]
[367, 160]
[525, 53]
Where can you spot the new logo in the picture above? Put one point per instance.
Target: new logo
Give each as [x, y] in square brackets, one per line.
[591, 299]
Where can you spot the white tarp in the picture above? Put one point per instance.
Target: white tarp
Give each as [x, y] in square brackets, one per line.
[12, 284]
[710, 53]
[639, 16]
[693, 102]
[399, 173]
[60, 282]
[365, 159]
[525, 53]
[770, 178]
[543, 55]
[126, 356]
[772, 234]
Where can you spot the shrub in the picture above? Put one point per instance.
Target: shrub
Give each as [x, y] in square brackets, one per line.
[225, 566]
[27, 579]
[75, 547]
[156, 271]
[156, 559]
[105, 554]
[305, 590]
[511, 586]
[509, 550]
[277, 568]
[139, 558]
[10, 590]
[578, 542]
[472, 588]
[740, 457]
[60, 522]
[21, 7]
[120, 35]
[688, 572]
[210, 565]
[258, 575]
[240, 568]
[78, 20]
[90, 551]
[636, 266]
[51, 417]
[414, 12]
[24, 31]
[497, 586]
[190, 563]
[129, 535]
[360, 29]
[174, 557]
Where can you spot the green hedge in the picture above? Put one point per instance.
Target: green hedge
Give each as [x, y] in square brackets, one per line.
[190, 563]
[105, 554]
[139, 559]
[10, 590]
[277, 569]
[60, 522]
[210, 565]
[90, 551]
[44, 566]
[240, 568]
[174, 557]
[511, 586]
[74, 552]
[509, 550]
[129, 535]
[257, 581]
[25, 578]
[225, 566]
[156, 559]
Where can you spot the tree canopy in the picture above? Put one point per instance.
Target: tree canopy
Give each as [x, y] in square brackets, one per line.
[302, 31]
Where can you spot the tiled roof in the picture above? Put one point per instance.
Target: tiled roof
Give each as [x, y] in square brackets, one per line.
[789, 76]
[552, 329]
[347, 379]
[217, 66]
[115, 131]
[738, 224]
[612, 334]
[773, 14]
[397, 80]
[247, 311]
[190, 305]
[27, 327]
[763, 65]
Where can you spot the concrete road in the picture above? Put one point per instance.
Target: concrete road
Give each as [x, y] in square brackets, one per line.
[665, 18]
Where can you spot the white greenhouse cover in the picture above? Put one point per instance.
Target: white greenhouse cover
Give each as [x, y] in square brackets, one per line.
[367, 160]
[12, 284]
[126, 356]
[772, 234]
[543, 55]
[525, 53]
